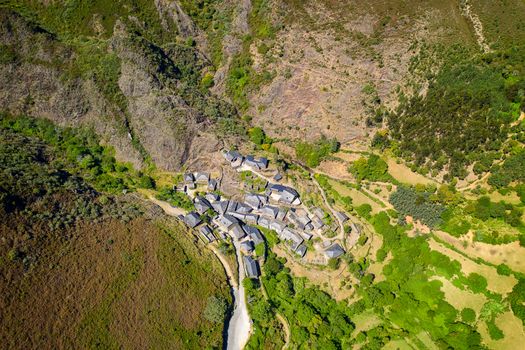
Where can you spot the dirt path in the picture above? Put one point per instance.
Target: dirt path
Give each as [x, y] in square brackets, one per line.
[286, 329]
[476, 24]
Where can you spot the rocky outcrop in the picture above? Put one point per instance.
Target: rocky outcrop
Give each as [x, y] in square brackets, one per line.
[156, 110]
[34, 81]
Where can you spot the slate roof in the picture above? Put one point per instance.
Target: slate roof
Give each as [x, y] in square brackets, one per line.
[212, 197]
[278, 177]
[254, 233]
[192, 219]
[188, 177]
[334, 251]
[342, 216]
[301, 250]
[269, 211]
[243, 208]
[202, 178]
[207, 233]
[221, 207]
[251, 218]
[230, 156]
[227, 220]
[247, 246]
[251, 267]
[237, 231]
[202, 205]
[264, 222]
[212, 185]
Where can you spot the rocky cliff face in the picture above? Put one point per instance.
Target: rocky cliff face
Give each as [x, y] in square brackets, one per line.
[153, 108]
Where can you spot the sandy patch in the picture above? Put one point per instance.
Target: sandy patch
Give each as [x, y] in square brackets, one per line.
[334, 168]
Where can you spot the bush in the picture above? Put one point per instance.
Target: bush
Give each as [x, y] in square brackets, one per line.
[477, 283]
[215, 310]
[372, 168]
[504, 270]
[313, 153]
[468, 315]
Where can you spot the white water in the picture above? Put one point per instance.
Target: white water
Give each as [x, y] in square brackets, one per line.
[240, 323]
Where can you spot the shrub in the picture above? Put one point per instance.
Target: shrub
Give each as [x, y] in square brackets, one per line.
[504, 270]
[468, 315]
[215, 309]
[372, 168]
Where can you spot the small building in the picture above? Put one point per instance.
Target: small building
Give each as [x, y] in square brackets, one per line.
[254, 234]
[306, 235]
[251, 267]
[334, 251]
[231, 156]
[212, 197]
[318, 212]
[247, 247]
[212, 185]
[317, 223]
[301, 250]
[281, 215]
[269, 211]
[277, 226]
[243, 208]
[232, 206]
[227, 221]
[256, 201]
[206, 234]
[202, 178]
[256, 163]
[264, 222]
[188, 178]
[192, 219]
[251, 218]
[202, 205]
[236, 231]
[220, 207]
[341, 216]
[292, 236]
[277, 177]
[284, 194]
[239, 216]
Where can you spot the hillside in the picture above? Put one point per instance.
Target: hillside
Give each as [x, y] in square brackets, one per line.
[80, 269]
[358, 169]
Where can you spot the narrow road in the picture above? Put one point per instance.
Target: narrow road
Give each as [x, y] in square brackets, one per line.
[240, 324]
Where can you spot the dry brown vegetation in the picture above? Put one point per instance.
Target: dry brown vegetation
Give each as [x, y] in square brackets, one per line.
[141, 284]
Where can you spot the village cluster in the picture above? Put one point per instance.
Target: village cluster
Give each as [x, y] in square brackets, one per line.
[277, 207]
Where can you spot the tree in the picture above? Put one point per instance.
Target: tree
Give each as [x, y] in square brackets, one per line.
[257, 135]
[215, 309]
[468, 315]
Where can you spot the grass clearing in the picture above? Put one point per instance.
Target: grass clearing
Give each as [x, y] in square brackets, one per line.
[403, 174]
[358, 197]
[511, 253]
[496, 283]
[461, 299]
[512, 329]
